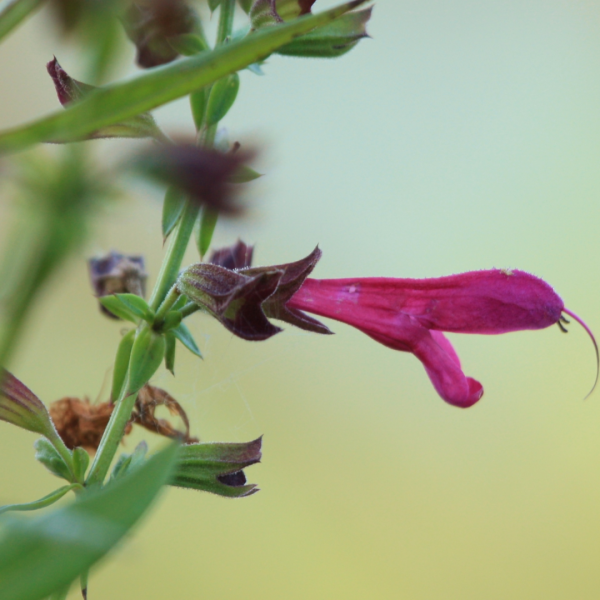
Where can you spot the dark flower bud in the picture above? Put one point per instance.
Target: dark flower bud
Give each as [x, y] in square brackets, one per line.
[21, 407]
[204, 175]
[294, 275]
[238, 256]
[151, 24]
[70, 90]
[117, 274]
[235, 300]
[217, 467]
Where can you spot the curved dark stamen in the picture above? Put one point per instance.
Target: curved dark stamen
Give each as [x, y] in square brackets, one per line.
[589, 332]
[564, 319]
[562, 327]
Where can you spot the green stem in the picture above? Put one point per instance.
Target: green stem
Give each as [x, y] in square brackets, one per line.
[225, 20]
[178, 244]
[188, 309]
[15, 11]
[64, 452]
[165, 307]
[111, 438]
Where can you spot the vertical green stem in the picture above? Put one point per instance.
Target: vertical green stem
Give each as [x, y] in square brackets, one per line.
[178, 244]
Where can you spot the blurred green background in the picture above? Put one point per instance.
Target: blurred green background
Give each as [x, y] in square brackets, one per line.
[464, 135]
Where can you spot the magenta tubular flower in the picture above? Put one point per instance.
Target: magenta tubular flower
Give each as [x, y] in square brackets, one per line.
[410, 314]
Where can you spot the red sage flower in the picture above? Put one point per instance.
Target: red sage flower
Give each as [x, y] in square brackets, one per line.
[410, 315]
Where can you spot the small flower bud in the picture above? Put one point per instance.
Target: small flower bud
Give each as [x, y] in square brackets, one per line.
[70, 90]
[117, 274]
[238, 256]
[151, 24]
[217, 467]
[21, 407]
[204, 175]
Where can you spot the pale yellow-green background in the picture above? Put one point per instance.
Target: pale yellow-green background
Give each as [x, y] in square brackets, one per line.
[464, 135]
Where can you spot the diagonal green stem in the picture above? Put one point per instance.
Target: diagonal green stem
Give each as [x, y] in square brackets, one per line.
[15, 11]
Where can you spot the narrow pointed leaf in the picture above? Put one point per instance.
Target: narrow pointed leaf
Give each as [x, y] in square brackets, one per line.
[183, 334]
[172, 209]
[48, 500]
[114, 103]
[117, 308]
[43, 554]
[122, 364]
[137, 305]
[244, 174]
[170, 340]
[208, 222]
[81, 461]
[222, 97]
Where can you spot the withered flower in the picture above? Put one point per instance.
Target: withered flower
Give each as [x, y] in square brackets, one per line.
[117, 274]
[238, 256]
[204, 175]
[81, 423]
[150, 24]
[148, 400]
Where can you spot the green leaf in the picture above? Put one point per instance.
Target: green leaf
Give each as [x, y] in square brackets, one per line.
[42, 502]
[137, 305]
[216, 467]
[81, 461]
[332, 40]
[172, 209]
[221, 99]
[244, 174]
[183, 334]
[127, 462]
[213, 4]
[146, 355]
[46, 553]
[170, 340]
[114, 103]
[208, 222]
[122, 364]
[198, 101]
[47, 454]
[117, 308]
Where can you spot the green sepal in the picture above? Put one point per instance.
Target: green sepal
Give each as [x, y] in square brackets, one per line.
[47, 500]
[122, 364]
[216, 467]
[263, 13]
[332, 40]
[184, 335]
[214, 4]
[188, 44]
[126, 462]
[117, 308]
[208, 222]
[146, 355]
[173, 206]
[137, 305]
[42, 554]
[181, 302]
[221, 99]
[244, 174]
[246, 5]
[81, 461]
[170, 341]
[47, 454]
